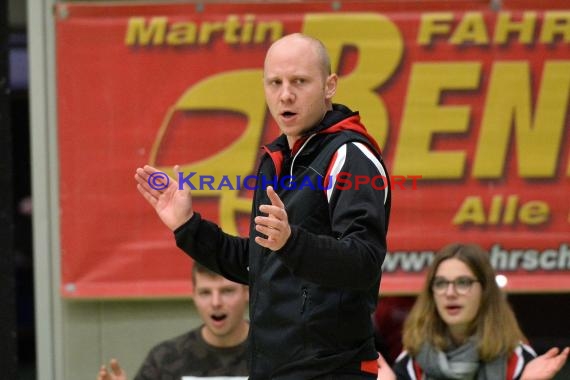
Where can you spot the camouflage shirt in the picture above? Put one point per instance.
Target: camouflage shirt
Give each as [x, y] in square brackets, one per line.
[190, 355]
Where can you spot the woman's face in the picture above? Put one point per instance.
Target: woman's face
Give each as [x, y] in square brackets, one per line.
[457, 295]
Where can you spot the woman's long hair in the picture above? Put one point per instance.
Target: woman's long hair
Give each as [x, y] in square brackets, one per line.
[495, 325]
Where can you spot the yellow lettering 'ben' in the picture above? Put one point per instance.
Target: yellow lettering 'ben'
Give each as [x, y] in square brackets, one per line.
[380, 47]
[538, 130]
[509, 106]
[424, 117]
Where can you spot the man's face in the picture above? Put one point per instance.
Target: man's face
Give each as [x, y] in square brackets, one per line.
[221, 304]
[297, 90]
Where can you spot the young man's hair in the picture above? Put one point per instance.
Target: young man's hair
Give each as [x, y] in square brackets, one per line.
[495, 325]
[199, 268]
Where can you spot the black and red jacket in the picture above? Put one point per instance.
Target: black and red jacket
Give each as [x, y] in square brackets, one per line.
[310, 302]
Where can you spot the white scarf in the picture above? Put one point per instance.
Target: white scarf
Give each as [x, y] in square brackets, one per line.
[459, 363]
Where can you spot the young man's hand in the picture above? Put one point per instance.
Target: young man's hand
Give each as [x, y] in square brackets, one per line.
[115, 373]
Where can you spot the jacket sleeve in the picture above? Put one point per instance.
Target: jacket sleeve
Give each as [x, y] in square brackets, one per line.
[352, 258]
[518, 360]
[206, 243]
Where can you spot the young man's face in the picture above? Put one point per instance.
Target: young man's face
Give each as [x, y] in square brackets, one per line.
[221, 304]
[297, 90]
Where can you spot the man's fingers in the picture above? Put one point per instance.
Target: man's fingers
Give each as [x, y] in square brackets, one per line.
[154, 182]
[143, 174]
[147, 195]
[267, 243]
[149, 169]
[274, 198]
[146, 171]
[275, 225]
[262, 242]
[274, 211]
[267, 231]
[268, 221]
[142, 179]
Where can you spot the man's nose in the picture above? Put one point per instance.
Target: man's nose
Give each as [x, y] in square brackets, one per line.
[287, 95]
[216, 299]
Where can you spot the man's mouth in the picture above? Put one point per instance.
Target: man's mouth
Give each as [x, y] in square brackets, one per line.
[218, 317]
[288, 114]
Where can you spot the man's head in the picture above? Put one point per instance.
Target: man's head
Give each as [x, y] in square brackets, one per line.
[298, 84]
[221, 304]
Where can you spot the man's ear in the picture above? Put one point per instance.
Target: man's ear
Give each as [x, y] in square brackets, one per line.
[330, 86]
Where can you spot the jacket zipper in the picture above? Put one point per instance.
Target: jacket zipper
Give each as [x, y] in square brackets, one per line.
[305, 299]
[296, 155]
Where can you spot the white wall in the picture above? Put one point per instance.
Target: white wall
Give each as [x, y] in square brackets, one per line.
[95, 331]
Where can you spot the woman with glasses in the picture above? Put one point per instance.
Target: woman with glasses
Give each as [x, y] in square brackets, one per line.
[461, 327]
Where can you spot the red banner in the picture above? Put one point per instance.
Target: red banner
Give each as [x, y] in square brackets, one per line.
[473, 101]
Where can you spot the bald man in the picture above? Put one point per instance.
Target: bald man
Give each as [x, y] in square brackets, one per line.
[318, 228]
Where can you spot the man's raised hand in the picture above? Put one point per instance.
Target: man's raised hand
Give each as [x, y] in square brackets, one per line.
[172, 204]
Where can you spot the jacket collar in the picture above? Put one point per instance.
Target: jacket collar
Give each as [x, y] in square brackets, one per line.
[338, 119]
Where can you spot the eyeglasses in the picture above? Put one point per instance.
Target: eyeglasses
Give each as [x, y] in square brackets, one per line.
[462, 285]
